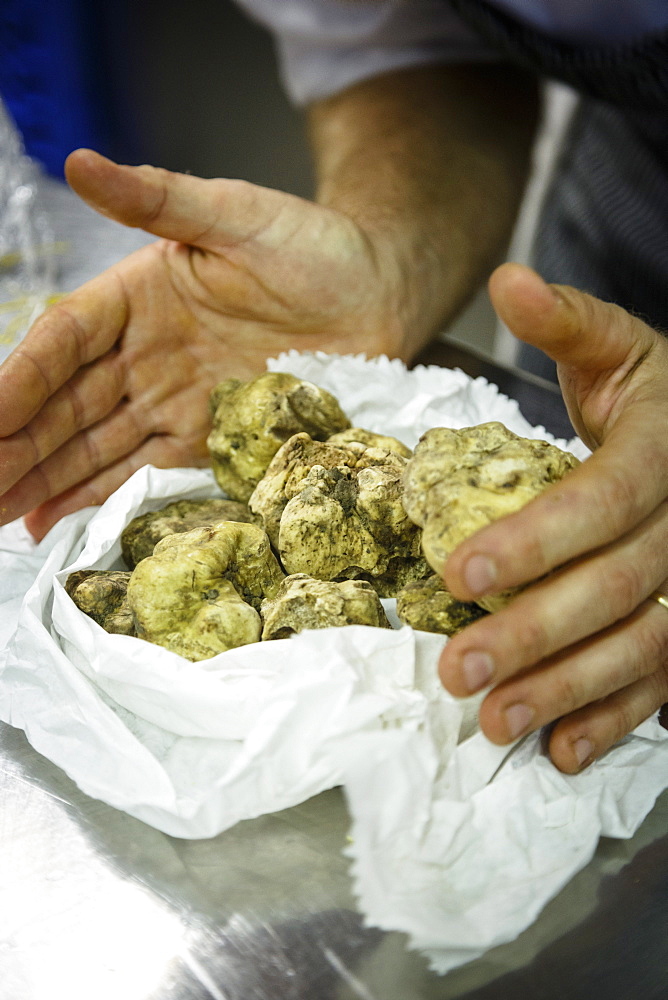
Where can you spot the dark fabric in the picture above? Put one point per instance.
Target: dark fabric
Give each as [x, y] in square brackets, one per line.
[604, 224]
[62, 79]
[633, 74]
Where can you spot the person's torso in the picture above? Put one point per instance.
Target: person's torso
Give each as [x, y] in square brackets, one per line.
[584, 51]
[590, 21]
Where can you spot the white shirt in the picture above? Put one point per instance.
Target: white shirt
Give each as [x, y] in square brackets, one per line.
[327, 45]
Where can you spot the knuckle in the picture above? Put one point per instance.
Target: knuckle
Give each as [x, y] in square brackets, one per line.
[539, 537]
[531, 552]
[623, 588]
[652, 644]
[93, 457]
[522, 553]
[77, 408]
[93, 496]
[621, 720]
[587, 313]
[160, 181]
[568, 692]
[616, 501]
[531, 640]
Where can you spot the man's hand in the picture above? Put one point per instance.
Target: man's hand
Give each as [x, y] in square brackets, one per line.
[118, 373]
[584, 645]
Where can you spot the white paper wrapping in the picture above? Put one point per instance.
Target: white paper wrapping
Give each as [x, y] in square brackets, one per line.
[192, 748]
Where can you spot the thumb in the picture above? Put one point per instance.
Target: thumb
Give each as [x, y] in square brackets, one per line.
[575, 329]
[206, 213]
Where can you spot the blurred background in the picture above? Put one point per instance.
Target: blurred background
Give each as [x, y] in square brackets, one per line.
[192, 87]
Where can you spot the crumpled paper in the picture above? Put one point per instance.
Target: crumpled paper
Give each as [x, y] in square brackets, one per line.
[192, 748]
[458, 863]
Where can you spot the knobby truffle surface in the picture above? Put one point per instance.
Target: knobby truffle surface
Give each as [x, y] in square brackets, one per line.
[200, 592]
[458, 481]
[291, 464]
[251, 420]
[429, 606]
[303, 602]
[348, 523]
[102, 595]
[370, 439]
[144, 532]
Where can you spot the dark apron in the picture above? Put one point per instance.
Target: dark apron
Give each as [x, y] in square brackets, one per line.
[604, 223]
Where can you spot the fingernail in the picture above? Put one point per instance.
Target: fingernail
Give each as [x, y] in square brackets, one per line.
[477, 669]
[479, 574]
[583, 750]
[518, 719]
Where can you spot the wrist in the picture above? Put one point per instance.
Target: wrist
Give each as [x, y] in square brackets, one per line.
[405, 307]
[411, 159]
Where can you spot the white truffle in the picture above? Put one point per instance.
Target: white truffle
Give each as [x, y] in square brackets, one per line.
[251, 420]
[429, 606]
[305, 603]
[291, 464]
[143, 532]
[370, 439]
[459, 481]
[350, 523]
[102, 595]
[199, 593]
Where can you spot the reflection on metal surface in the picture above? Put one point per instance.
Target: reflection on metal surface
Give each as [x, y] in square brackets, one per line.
[70, 927]
[95, 904]
[347, 976]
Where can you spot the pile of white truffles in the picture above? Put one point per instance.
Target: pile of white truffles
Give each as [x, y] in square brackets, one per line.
[321, 520]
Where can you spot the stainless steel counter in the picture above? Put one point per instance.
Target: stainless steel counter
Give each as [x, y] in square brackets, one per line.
[95, 905]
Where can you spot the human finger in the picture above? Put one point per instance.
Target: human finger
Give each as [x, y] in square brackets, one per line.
[582, 736]
[623, 480]
[572, 604]
[588, 673]
[612, 492]
[72, 333]
[575, 329]
[164, 451]
[80, 457]
[207, 213]
[85, 399]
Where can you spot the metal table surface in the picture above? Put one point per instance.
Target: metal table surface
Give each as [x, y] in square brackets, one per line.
[96, 904]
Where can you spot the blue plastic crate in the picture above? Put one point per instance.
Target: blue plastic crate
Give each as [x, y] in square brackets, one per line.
[54, 62]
